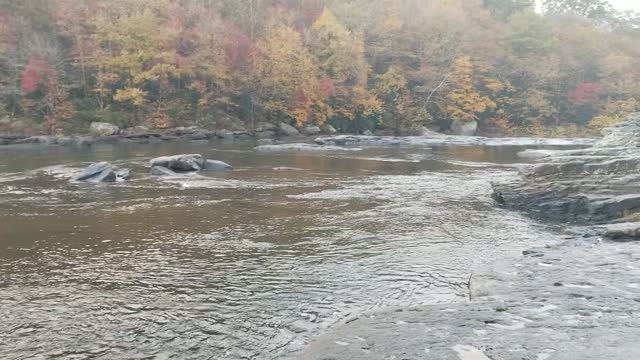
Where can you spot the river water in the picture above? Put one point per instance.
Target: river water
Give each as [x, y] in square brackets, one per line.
[248, 264]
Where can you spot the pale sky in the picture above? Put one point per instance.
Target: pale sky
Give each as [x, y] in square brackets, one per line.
[626, 4]
[620, 4]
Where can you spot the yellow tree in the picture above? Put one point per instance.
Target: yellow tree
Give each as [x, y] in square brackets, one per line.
[287, 76]
[341, 55]
[134, 51]
[464, 102]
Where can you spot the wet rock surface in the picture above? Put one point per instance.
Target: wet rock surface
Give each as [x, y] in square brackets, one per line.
[102, 172]
[184, 162]
[303, 147]
[576, 300]
[597, 185]
[288, 130]
[103, 129]
[441, 139]
[554, 303]
[170, 165]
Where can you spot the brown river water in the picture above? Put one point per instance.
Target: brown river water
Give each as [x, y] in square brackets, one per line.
[248, 264]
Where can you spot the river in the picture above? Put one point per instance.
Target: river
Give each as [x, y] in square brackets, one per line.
[248, 264]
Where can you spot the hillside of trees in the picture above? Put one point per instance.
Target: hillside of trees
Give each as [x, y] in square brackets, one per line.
[385, 65]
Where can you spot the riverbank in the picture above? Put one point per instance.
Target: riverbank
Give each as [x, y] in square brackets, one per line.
[579, 299]
[273, 137]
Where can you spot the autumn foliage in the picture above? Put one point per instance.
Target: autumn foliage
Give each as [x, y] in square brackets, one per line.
[391, 65]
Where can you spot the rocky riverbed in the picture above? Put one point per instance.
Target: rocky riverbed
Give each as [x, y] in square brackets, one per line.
[268, 135]
[576, 300]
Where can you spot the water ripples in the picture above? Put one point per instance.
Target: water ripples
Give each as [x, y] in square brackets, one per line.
[246, 265]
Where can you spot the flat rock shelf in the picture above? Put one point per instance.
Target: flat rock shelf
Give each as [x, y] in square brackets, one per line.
[576, 300]
[554, 303]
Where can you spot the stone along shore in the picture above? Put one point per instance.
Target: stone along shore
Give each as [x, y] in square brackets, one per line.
[576, 300]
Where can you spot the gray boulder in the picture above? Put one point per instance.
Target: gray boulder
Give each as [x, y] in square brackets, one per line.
[162, 171]
[102, 172]
[186, 162]
[288, 130]
[261, 142]
[39, 140]
[84, 141]
[626, 134]
[464, 128]
[103, 129]
[265, 126]
[328, 129]
[123, 174]
[268, 134]
[225, 134]
[215, 165]
[310, 130]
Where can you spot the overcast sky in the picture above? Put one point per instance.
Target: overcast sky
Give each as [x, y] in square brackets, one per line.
[626, 4]
[620, 4]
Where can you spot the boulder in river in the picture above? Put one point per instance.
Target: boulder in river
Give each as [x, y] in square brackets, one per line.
[310, 130]
[103, 129]
[464, 128]
[102, 172]
[162, 171]
[303, 147]
[288, 130]
[185, 162]
[216, 165]
[328, 129]
[41, 140]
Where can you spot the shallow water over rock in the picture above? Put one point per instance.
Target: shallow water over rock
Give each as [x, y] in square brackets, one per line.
[242, 264]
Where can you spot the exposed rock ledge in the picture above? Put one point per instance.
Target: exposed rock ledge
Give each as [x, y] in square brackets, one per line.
[566, 303]
[441, 139]
[577, 300]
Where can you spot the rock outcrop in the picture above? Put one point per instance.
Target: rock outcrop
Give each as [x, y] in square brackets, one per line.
[162, 171]
[328, 129]
[171, 165]
[103, 129]
[310, 130]
[583, 293]
[181, 163]
[593, 186]
[583, 296]
[216, 165]
[288, 130]
[464, 128]
[303, 147]
[102, 172]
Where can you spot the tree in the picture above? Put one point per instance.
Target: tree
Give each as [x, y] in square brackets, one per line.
[504, 9]
[287, 78]
[597, 10]
[464, 102]
[341, 57]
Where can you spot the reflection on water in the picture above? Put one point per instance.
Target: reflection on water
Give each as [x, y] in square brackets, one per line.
[245, 264]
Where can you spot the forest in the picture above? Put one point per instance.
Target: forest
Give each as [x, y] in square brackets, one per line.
[565, 68]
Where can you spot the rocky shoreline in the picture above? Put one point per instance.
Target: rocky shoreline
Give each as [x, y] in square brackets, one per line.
[324, 139]
[576, 300]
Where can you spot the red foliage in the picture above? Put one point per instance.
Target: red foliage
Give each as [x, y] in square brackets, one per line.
[328, 87]
[237, 46]
[37, 73]
[176, 17]
[585, 94]
[184, 63]
[311, 11]
[301, 99]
